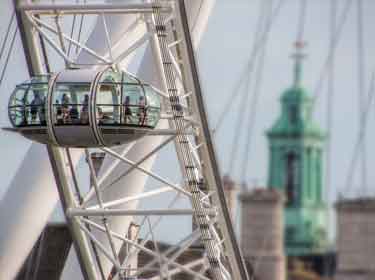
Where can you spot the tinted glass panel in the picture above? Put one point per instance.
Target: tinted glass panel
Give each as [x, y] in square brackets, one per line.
[71, 104]
[108, 103]
[134, 93]
[134, 104]
[123, 100]
[153, 115]
[17, 109]
[153, 106]
[153, 98]
[112, 77]
[129, 79]
[27, 105]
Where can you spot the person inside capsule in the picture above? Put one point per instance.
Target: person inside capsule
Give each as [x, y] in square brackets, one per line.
[85, 110]
[71, 103]
[37, 109]
[141, 110]
[65, 102]
[128, 111]
[59, 113]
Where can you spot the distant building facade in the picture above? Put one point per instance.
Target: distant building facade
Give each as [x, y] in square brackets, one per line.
[261, 233]
[295, 168]
[356, 239]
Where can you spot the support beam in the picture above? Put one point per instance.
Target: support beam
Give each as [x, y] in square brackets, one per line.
[67, 9]
[207, 151]
[34, 63]
[73, 212]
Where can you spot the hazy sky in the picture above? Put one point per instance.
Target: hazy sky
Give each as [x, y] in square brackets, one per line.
[227, 47]
[224, 52]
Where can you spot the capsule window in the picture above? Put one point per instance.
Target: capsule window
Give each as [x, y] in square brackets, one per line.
[81, 115]
[71, 104]
[153, 106]
[129, 79]
[108, 106]
[37, 97]
[134, 104]
[27, 104]
[17, 107]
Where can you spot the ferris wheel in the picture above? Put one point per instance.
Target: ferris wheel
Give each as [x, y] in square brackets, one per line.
[93, 104]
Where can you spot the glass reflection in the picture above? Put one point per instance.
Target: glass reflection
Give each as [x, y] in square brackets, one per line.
[71, 102]
[139, 105]
[27, 103]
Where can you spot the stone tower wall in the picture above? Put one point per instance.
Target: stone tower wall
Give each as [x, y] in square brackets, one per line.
[262, 235]
[356, 239]
[360, 275]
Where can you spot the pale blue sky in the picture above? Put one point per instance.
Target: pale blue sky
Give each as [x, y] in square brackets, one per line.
[225, 50]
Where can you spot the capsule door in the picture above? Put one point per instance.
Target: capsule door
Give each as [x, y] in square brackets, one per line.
[72, 124]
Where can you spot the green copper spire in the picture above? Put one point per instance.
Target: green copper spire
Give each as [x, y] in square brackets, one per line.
[296, 107]
[296, 167]
[298, 57]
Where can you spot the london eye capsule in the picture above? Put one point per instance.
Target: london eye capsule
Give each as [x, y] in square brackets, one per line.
[84, 108]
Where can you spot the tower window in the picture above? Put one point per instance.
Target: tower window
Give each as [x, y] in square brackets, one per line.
[293, 113]
[290, 233]
[310, 187]
[291, 177]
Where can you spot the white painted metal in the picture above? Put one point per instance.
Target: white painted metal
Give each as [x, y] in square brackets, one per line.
[192, 172]
[136, 180]
[136, 197]
[34, 190]
[207, 154]
[147, 172]
[89, 8]
[150, 252]
[31, 191]
[68, 199]
[71, 212]
[191, 264]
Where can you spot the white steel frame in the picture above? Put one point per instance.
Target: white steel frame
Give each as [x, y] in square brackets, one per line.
[168, 35]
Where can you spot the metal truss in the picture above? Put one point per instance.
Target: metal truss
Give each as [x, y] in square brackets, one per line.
[87, 211]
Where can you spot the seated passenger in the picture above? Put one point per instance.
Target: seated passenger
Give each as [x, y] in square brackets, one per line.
[85, 110]
[65, 102]
[141, 110]
[74, 115]
[59, 114]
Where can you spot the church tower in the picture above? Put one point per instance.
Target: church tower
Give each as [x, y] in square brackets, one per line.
[295, 168]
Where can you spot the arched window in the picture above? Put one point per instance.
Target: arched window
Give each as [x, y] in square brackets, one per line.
[293, 113]
[291, 173]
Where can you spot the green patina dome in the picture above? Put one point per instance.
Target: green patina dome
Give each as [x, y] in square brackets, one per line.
[295, 94]
[296, 112]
